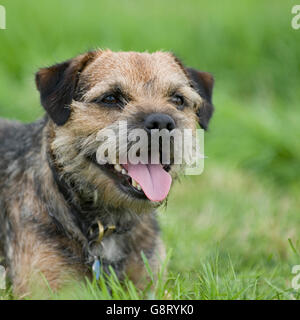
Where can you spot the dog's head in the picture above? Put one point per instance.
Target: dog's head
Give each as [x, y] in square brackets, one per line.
[99, 90]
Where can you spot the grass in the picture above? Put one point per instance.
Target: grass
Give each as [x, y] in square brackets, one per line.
[228, 229]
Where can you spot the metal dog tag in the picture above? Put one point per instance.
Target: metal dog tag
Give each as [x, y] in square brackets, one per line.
[96, 268]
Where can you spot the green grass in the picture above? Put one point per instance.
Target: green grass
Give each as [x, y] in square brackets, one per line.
[229, 228]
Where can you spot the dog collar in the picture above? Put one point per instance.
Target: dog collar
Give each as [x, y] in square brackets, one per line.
[92, 233]
[102, 231]
[96, 234]
[97, 237]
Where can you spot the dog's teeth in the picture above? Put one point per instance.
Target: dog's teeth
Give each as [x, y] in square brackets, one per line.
[134, 183]
[124, 171]
[118, 167]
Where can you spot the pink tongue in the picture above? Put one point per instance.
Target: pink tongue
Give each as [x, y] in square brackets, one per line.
[153, 179]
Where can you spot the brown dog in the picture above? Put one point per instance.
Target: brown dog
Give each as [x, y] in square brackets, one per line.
[60, 211]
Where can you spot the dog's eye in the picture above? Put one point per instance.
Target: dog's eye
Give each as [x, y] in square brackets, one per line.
[110, 99]
[178, 100]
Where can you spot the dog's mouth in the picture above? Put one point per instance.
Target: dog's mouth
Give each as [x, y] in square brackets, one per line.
[142, 181]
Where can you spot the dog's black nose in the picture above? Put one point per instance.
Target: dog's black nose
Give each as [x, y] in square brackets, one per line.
[159, 121]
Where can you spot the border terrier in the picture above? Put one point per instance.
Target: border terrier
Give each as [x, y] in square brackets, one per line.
[62, 214]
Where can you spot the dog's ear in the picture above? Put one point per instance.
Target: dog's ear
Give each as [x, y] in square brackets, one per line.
[57, 86]
[203, 83]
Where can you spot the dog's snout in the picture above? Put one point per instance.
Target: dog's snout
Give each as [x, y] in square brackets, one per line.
[159, 121]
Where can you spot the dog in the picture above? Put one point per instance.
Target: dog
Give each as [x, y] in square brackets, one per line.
[62, 214]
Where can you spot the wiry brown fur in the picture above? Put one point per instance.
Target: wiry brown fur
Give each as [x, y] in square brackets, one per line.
[42, 230]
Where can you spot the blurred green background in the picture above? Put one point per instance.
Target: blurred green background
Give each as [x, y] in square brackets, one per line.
[229, 227]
